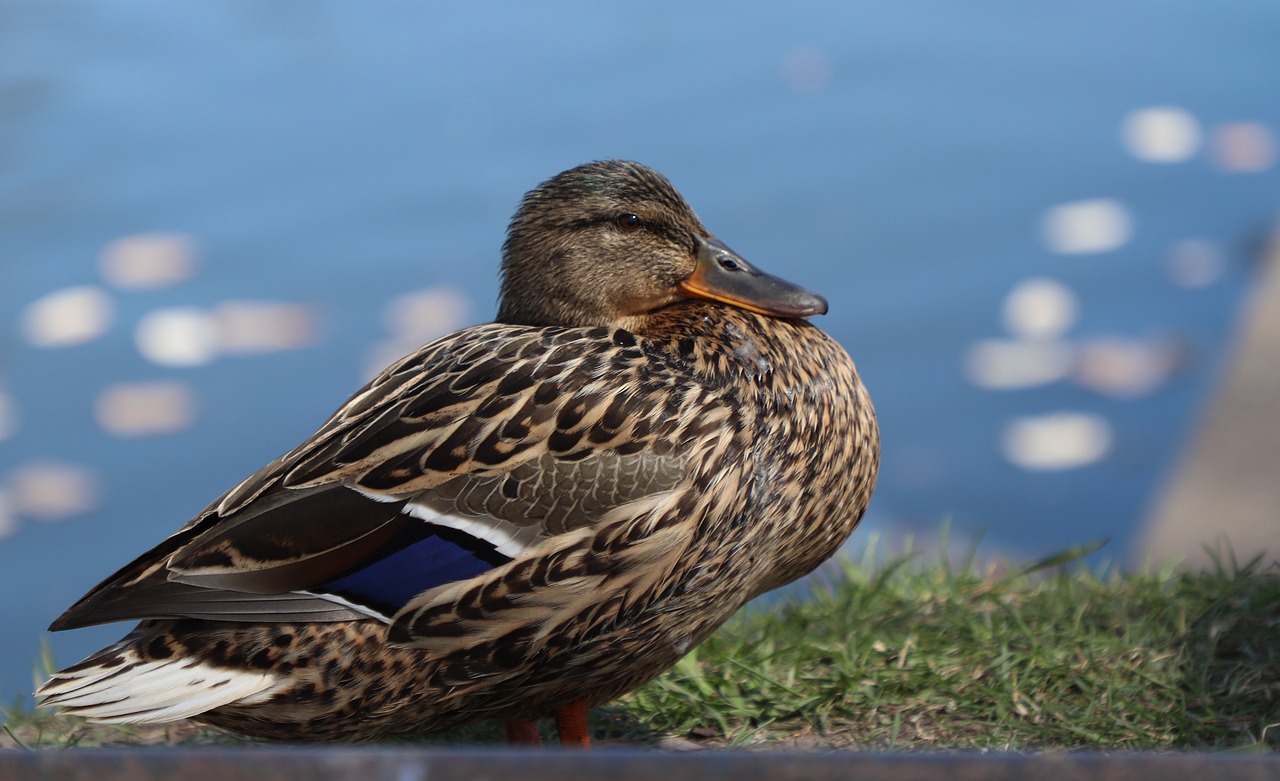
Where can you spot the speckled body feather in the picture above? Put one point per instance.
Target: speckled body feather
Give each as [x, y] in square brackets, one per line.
[623, 490]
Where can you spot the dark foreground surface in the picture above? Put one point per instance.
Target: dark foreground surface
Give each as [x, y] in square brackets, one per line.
[621, 765]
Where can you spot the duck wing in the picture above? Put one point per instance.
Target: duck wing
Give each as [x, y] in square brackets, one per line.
[453, 462]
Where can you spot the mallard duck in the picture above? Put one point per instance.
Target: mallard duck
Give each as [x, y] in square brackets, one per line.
[522, 519]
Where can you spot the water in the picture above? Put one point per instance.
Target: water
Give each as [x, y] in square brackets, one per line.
[899, 159]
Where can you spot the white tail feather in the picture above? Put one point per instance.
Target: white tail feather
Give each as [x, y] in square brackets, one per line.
[131, 691]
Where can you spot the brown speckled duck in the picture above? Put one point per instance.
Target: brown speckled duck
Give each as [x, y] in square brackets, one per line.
[522, 519]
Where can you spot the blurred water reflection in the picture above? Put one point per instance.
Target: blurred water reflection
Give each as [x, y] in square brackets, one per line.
[148, 261]
[145, 409]
[67, 317]
[1244, 147]
[1161, 134]
[1087, 227]
[1034, 228]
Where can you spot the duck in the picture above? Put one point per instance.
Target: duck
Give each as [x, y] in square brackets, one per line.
[523, 519]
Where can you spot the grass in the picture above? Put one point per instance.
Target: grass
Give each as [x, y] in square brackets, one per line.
[901, 654]
[908, 656]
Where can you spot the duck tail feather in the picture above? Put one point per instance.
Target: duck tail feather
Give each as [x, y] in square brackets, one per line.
[118, 686]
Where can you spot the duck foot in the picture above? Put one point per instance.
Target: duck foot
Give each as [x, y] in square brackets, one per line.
[571, 725]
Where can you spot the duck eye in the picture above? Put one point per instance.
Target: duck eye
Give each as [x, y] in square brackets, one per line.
[629, 222]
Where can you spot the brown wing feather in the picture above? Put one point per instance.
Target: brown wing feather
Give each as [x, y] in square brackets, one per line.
[149, 587]
[530, 432]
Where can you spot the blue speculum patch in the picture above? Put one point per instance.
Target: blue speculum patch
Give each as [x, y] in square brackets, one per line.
[441, 556]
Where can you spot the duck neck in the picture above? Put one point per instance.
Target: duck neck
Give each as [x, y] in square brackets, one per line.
[730, 345]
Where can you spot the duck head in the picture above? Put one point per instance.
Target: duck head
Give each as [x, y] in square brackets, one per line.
[612, 242]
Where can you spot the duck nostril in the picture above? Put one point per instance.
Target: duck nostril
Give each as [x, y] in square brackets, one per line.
[728, 264]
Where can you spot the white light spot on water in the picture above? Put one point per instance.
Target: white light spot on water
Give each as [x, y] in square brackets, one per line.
[263, 326]
[1087, 227]
[427, 314]
[52, 491]
[1010, 365]
[1040, 309]
[807, 69]
[187, 336]
[148, 261]
[8, 523]
[73, 315]
[415, 319]
[8, 417]
[1126, 368]
[1243, 147]
[145, 409]
[1161, 134]
[1056, 441]
[1194, 263]
[180, 336]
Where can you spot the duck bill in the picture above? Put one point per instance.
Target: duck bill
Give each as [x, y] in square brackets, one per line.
[722, 275]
